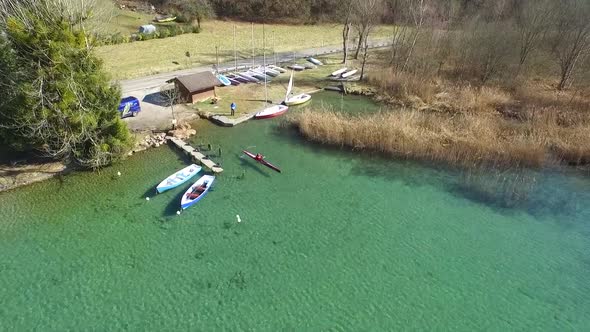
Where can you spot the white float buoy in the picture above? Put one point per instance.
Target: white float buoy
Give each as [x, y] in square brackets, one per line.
[147, 198]
[177, 213]
[119, 173]
[238, 217]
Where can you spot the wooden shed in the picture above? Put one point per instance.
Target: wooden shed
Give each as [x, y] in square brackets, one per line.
[196, 87]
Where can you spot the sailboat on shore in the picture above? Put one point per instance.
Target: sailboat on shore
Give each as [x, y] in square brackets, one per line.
[275, 110]
[297, 99]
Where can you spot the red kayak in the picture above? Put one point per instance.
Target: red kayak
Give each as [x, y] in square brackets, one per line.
[260, 158]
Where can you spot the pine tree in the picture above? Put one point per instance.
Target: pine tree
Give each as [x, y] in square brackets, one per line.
[60, 101]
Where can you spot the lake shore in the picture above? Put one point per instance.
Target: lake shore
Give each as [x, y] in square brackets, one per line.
[25, 173]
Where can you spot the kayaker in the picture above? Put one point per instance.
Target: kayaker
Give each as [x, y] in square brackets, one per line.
[259, 157]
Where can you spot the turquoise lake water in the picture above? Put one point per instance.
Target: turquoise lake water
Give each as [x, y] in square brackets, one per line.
[339, 241]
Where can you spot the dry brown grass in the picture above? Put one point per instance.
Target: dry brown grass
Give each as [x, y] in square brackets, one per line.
[460, 139]
[419, 91]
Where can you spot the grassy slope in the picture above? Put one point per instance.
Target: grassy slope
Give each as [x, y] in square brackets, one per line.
[126, 61]
[109, 19]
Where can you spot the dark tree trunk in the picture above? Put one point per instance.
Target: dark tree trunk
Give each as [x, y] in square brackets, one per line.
[359, 46]
[365, 57]
[345, 35]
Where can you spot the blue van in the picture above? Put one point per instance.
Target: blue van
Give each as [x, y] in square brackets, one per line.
[129, 106]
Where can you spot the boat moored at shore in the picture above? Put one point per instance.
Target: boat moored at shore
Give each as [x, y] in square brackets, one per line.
[178, 178]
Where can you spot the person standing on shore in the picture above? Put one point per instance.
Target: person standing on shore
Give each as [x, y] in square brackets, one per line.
[233, 108]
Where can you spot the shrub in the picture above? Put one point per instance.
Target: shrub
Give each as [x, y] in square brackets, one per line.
[117, 38]
[181, 18]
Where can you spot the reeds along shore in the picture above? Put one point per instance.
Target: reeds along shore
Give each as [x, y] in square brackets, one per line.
[457, 139]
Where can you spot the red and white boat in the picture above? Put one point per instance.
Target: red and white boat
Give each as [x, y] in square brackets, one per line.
[271, 112]
[275, 110]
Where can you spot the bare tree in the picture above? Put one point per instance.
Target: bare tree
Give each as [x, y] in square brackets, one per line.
[346, 26]
[366, 14]
[533, 21]
[417, 10]
[365, 57]
[571, 38]
[170, 97]
[400, 35]
[409, 18]
[485, 48]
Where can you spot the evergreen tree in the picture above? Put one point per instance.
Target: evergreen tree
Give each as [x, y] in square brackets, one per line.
[57, 99]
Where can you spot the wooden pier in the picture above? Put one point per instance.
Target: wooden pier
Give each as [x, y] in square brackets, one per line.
[223, 120]
[197, 156]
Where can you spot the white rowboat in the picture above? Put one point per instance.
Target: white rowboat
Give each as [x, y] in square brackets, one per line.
[178, 178]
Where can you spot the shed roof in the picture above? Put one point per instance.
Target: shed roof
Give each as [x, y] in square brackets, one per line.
[199, 81]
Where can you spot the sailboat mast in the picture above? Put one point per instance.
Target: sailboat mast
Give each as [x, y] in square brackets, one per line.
[252, 44]
[217, 58]
[235, 50]
[264, 62]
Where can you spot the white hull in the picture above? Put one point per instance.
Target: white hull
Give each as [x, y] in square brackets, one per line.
[271, 112]
[339, 72]
[178, 178]
[350, 73]
[207, 181]
[298, 99]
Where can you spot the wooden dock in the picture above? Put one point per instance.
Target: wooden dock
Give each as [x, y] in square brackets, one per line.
[223, 120]
[197, 156]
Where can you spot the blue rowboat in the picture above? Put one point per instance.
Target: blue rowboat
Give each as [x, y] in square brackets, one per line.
[178, 178]
[224, 80]
[197, 191]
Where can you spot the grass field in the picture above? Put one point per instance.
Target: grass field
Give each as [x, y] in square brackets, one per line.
[107, 18]
[137, 59]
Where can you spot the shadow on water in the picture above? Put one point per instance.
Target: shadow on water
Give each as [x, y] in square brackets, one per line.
[150, 192]
[539, 193]
[174, 204]
[251, 164]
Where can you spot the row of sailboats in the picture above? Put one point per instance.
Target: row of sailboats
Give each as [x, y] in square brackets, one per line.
[276, 110]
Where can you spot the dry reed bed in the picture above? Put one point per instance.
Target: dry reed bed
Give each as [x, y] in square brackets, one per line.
[460, 139]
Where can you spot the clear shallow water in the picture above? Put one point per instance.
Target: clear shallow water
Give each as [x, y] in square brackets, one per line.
[338, 241]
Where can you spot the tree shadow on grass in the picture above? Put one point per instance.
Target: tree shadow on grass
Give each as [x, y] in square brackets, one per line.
[156, 98]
